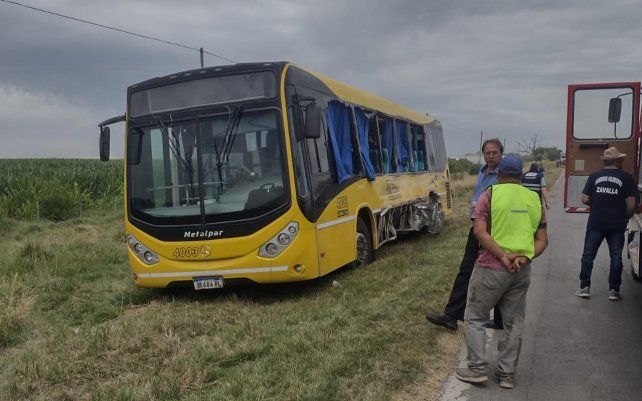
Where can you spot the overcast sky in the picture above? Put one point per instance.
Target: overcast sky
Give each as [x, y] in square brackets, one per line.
[502, 69]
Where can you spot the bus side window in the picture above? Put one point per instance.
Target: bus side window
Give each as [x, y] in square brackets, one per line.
[342, 139]
[302, 188]
[437, 159]
[402, 146]
[418, 139]
[373, 144]
[319, 154]
[386, 140]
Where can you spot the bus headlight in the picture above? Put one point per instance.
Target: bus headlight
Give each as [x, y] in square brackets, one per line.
[149, 257]
[138, 248]
[272, 249]
[143, 253]
[279, 242]
[283, 239]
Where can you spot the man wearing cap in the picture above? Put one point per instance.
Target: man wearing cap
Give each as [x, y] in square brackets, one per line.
[534, 180]
[610, 192]
[510, 224]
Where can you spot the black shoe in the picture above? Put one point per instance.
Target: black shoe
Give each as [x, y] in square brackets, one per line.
[443, 320]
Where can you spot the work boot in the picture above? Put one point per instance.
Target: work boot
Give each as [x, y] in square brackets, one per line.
[443, 320]
[505, 381]
[614, 295]
[583, 292]
[471, 375]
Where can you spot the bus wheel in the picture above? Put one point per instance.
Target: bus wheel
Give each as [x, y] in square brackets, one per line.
[365, 252]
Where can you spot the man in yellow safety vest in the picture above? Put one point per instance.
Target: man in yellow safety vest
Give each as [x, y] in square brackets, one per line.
[510, 224]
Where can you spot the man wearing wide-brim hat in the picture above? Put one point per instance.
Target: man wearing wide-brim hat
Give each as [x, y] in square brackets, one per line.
[610, 192]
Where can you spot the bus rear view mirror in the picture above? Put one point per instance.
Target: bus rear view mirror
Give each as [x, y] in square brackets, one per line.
[615, 109]
[313, 121]
[104, 143]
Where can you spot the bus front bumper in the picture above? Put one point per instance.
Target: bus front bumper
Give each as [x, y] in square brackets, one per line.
[298, 262]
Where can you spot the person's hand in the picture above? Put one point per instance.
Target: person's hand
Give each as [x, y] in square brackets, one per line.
[508, 259]
[518, 263]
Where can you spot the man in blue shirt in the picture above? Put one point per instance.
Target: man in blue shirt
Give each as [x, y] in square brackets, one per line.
[610, 192]
[493, 150]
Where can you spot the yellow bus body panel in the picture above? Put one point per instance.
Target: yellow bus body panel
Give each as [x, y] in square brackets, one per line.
[336, 228]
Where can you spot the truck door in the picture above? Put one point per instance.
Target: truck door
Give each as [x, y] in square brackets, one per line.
[599, 116]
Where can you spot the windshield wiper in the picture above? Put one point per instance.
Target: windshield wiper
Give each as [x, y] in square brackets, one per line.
[184, 163]
[223, 154]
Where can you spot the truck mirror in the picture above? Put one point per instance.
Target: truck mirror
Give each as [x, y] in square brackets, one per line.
[615, 109]
[104, 143]
[313, 121]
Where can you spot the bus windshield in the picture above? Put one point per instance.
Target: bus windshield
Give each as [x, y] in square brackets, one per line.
[236, 157]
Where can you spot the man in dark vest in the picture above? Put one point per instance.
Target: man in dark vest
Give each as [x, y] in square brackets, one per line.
[534, 180]
[610, 192]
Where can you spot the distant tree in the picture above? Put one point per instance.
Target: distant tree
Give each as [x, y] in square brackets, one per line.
[530, 144]
[473, 169]
[459, 165]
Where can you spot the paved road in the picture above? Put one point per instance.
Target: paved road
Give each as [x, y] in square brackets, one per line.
[574, 349]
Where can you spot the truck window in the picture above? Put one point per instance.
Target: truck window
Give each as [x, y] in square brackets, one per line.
[591, 112]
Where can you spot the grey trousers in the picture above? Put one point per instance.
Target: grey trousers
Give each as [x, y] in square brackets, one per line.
[487, 288]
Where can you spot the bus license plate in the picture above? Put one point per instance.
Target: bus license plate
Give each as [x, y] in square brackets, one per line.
[208, 283]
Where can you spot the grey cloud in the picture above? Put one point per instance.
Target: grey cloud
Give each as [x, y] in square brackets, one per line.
[501, 67]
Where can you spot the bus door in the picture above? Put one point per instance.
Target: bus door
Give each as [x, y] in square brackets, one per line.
[599, 116]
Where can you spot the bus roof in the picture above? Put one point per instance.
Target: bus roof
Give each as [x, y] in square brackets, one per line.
[366, 99]
[343, 91]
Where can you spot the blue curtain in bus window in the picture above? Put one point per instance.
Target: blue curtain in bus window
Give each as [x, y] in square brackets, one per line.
[403, 158]
[363, 125]
[339, 132]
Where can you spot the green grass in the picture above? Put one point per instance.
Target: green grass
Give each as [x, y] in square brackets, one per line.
[73, 326]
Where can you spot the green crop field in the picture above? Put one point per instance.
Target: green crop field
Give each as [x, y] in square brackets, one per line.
[74, 327]
[57, 189]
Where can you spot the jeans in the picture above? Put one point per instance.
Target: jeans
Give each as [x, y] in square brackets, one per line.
[490, 287]
[592, 242]
[457, 302]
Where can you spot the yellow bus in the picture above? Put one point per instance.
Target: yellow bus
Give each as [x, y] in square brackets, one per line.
[269, 172]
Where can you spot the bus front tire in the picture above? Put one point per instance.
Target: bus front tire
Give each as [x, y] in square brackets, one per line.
[365, 253]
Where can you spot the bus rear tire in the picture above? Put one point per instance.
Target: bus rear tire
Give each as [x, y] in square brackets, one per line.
[365, 253]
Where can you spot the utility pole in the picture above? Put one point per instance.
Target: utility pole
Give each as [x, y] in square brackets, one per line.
[481, 141]
[202, 61]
